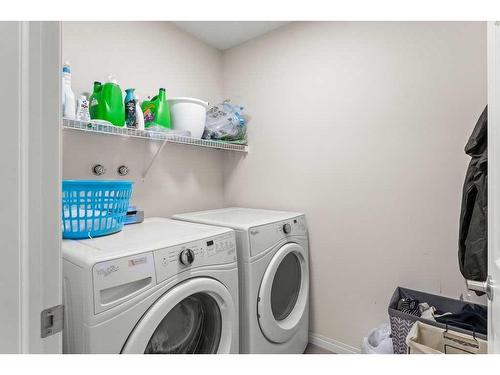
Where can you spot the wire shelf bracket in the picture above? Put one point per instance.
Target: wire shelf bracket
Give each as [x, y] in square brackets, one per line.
[153, 159]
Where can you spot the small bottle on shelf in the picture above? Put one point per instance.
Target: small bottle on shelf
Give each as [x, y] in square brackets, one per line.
[68, 96]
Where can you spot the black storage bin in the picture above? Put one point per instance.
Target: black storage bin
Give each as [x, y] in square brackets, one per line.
[402, 322]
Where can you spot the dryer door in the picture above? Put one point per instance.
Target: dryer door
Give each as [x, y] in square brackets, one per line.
[283, 293]
[195, 316]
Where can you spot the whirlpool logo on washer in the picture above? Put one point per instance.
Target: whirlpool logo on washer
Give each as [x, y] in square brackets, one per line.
[108, 270]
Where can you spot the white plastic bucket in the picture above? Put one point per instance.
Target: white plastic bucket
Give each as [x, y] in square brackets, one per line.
[188, 114]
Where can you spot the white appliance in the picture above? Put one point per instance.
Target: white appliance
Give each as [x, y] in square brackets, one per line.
[273, 261]
[162, 286]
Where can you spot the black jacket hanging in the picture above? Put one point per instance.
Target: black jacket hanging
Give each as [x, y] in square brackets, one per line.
[473, 236]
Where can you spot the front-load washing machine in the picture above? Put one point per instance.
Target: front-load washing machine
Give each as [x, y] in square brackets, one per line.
[273, 261]
[162, 286]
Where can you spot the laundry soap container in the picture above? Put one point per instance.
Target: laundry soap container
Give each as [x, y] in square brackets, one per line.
[93, 99]
[188, 114]
[156, 112]
[106, 103]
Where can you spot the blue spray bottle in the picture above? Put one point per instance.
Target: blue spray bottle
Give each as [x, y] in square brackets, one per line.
[130, 109]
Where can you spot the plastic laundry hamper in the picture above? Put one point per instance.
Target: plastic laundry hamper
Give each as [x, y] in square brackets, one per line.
[401, 322]
[93, 208]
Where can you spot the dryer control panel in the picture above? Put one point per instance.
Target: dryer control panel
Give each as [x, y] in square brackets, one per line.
[211, 251]
[264, 236]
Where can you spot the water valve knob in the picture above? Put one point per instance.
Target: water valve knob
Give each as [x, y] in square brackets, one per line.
[123, 170]
[98, 169]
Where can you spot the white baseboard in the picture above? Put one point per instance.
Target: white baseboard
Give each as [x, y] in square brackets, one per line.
[332, 345]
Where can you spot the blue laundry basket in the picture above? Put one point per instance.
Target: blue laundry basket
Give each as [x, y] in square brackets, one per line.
[92, 208]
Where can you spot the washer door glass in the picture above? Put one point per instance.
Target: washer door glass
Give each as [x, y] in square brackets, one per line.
[193, 326]
[286, 286]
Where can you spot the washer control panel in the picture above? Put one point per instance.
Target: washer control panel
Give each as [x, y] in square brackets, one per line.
[210, 251]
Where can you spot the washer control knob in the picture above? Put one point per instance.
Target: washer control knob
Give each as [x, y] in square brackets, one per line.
[287, 228]
[186, 257]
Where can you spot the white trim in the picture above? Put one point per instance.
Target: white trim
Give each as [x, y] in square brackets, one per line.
[332, 345]
[493, 57]
[24, 127]
[44, 183]
[12, 220]
[31, 156]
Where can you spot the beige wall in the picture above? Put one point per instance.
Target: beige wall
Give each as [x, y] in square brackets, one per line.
[146, 55]
[362, 127]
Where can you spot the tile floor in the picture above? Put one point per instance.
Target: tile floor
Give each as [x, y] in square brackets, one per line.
[313, 349]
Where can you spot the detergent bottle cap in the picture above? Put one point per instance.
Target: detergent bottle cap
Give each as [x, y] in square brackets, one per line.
[66, 67]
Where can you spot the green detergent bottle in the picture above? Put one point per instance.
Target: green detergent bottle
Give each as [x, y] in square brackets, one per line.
[94, 99]
[156, 111]
[109, 104]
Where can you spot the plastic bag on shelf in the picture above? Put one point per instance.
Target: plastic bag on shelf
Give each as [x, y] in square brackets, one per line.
[226, 122]
[379, 341]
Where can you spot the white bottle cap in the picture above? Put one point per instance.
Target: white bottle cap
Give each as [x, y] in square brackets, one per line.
[112, 79]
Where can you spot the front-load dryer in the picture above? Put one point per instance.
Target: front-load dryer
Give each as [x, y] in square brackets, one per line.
[273, 261]
[162, 286]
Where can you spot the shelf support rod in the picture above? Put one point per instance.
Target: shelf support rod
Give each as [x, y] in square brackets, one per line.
[158, 152]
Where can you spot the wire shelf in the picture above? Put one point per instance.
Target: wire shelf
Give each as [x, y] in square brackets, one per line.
[94, 127]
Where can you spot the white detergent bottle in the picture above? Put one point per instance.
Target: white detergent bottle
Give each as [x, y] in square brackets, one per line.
[68, 96]
[139, 116]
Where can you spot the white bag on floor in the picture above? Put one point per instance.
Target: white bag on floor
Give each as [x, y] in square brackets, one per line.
[379, 341]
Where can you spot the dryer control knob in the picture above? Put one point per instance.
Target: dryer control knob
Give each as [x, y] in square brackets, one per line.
[186, 257]
[287, 228]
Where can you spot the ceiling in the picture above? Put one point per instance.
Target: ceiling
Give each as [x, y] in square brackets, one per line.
[226, 34]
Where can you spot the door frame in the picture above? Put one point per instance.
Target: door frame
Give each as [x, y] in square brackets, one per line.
[493, 60]
[30, 151]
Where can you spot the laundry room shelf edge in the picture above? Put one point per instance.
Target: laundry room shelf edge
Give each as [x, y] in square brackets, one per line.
[98, 128]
